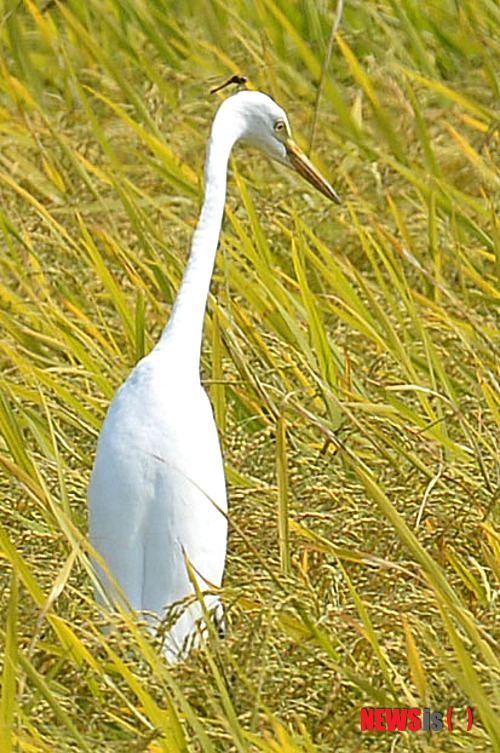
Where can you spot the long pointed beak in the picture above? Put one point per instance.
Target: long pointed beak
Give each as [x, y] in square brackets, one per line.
[305, 167]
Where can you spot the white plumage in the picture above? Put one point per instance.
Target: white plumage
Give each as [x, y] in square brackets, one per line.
[157, 492]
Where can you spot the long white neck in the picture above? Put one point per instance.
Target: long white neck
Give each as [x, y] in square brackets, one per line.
[182, 336]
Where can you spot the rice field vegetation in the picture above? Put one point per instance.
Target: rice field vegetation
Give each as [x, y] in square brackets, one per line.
[351, 355]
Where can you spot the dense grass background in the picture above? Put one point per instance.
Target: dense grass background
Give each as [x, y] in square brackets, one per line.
[351, 356]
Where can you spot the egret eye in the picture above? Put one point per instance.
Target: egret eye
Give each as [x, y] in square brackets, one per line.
[280, 129]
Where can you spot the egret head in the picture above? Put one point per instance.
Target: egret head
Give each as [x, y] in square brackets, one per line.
[262, 123]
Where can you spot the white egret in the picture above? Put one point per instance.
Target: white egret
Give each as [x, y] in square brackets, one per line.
[157, 493]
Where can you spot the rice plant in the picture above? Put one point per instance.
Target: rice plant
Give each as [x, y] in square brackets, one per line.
[351, 356]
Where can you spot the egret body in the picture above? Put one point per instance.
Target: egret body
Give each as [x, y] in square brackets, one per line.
[157, 496]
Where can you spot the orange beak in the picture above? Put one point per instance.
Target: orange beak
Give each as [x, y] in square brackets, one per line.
[305, 167]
